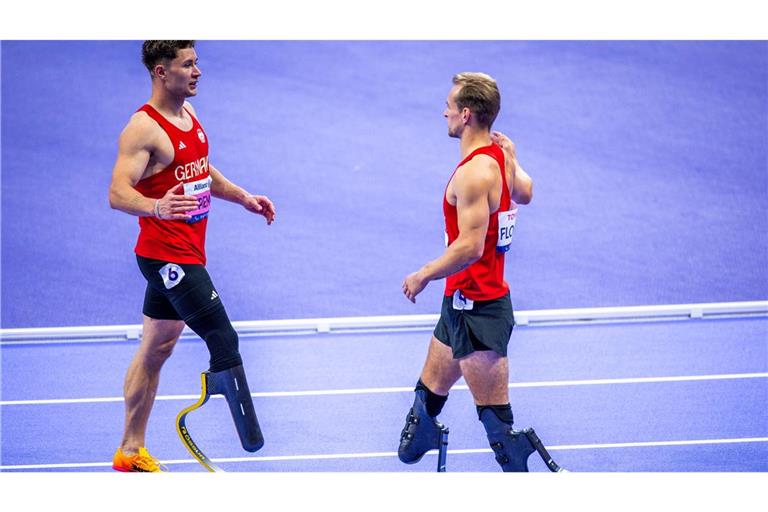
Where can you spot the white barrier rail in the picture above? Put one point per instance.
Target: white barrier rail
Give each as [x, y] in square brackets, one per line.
[112, 333]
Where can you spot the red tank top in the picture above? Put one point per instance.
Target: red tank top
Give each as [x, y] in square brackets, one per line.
[177, 241]
[484, 279]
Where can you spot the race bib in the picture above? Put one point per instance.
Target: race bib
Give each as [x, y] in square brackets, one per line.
[172, 275]
[201, 190]
[460, 302]
[506, 227]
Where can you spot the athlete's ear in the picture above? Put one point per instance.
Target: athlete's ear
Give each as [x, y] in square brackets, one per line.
[466, 114]
[159, 71]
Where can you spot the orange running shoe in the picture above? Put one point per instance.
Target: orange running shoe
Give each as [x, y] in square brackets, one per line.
[142, 462]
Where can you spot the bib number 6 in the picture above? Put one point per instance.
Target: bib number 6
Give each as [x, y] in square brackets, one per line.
[172, 275]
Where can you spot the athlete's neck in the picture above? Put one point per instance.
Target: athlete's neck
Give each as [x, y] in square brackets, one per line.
[473, 138]
[166, 104]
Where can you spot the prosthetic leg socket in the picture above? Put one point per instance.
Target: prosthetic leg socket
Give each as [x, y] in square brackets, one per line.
[513, 447]
[233, 385]
[230, 383]
[421, 434]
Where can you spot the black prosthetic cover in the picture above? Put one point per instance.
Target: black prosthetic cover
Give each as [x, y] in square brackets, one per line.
[433, 401]
[214, 327]
[233, 385]
[503, 412]
[193, 299]
[511, 447]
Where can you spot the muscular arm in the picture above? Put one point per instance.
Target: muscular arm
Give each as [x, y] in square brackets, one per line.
[132, 158]
[472, 186]
[135, 148]
[473, 210]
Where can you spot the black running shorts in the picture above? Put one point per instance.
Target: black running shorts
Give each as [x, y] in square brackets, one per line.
[176, 291]
[487, 326]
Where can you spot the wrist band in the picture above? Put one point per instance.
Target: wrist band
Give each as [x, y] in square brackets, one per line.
[157, 208]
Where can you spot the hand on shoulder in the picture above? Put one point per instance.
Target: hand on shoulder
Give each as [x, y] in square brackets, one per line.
[505, 143]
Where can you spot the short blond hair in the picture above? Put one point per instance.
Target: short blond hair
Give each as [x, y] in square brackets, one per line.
[480, 94]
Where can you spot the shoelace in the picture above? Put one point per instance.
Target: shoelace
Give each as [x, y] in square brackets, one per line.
[149, 462]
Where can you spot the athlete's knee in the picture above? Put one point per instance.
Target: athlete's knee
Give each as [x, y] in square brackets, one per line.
[223, 344]
[155, 354]
[223, 334]
[164, 350]
[214, 327]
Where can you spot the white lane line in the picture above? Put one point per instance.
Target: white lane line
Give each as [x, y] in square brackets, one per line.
[278, 458]
[362, 391]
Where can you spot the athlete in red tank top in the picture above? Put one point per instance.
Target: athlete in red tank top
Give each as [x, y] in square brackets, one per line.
[476, 317]
[483, 279]
[179, 241]
[162, 175]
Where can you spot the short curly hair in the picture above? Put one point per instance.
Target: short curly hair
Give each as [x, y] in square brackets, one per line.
[153, 52]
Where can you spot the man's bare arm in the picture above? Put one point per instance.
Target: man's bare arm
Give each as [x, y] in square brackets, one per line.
[472, 208]
[522, 189]
[133, 154]
[222, 188]
[472, 186]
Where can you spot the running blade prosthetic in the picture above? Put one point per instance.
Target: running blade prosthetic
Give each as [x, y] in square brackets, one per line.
[513, 447]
